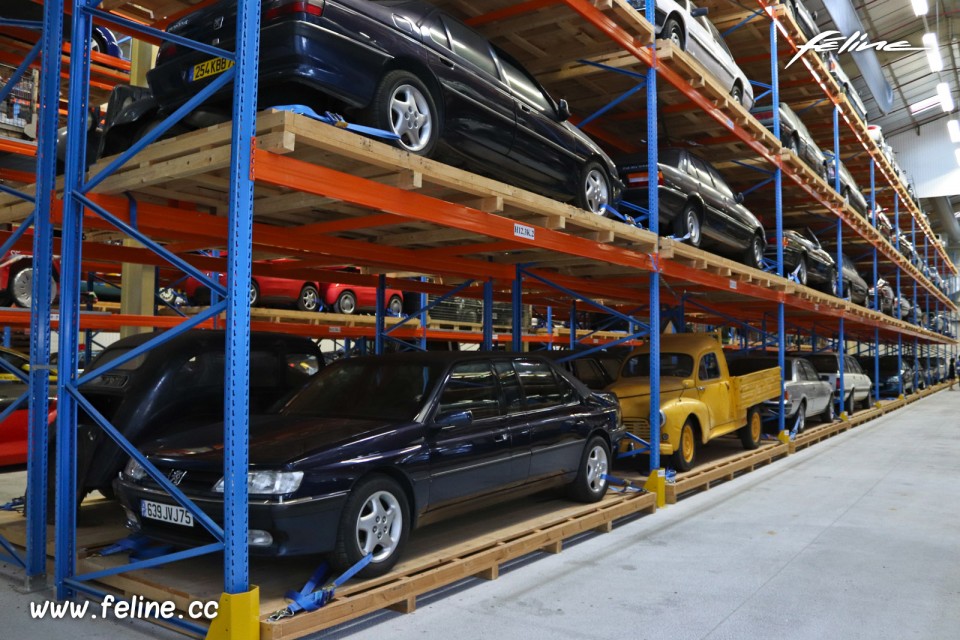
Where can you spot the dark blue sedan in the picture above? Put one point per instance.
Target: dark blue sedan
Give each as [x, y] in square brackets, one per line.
[374, 447]
[405, 67]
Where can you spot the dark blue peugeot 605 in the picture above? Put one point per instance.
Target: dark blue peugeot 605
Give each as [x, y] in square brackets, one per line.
[376, 446]
[405, 67]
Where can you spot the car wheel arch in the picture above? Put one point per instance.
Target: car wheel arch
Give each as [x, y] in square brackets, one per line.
[677, 17]
[423, 73]
[405, 483]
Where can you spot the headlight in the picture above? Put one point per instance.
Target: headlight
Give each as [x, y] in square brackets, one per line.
[663, 419]
[269, 482]
[134, 470]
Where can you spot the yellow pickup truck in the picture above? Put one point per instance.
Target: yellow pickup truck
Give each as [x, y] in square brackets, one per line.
[699, 399]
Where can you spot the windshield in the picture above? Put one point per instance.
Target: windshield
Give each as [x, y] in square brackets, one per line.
[365, 389]
[678, 365]
[824, 363]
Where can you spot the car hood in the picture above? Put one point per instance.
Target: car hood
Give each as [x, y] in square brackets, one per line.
[640, 386]
[274, 440]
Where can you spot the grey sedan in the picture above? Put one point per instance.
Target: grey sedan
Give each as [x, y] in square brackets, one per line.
[805, 395]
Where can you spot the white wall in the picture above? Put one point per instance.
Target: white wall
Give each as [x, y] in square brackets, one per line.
[930, 159]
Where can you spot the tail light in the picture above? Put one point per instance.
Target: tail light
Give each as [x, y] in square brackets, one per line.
[166, 51]
[786, 396]
[786, 243]
[280, 8]
[838, 383]
[641, 179]
[659, 178]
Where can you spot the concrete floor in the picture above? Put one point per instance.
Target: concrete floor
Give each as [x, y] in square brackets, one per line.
[855, 537]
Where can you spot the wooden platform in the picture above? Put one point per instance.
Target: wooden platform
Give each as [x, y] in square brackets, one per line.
[703, 477]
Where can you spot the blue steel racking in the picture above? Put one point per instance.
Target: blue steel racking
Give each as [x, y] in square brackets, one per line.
[77, 199]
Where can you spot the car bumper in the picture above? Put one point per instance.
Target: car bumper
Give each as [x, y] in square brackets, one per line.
[291, 52]
[297, 527]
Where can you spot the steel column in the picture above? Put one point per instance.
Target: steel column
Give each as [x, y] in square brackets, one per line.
[778, 211]
[653, 206]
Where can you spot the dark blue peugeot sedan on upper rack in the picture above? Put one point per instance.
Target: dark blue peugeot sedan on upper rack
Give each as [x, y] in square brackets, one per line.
[402, 66]
[373, 447]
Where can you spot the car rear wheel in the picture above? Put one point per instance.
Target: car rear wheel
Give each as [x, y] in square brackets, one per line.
[829, 414]
[309, 299]
[673, 32]
[751, 433]
[832, 283]
[20, 287]
[404, 105]
[851, 403]
[591, 481]
[346, 303]
[594, 190]
[792, 144]
[395, 306]
[800, 420]
[375, 521]
[753, 257]
[686, 454]
[254, 293]
[688, 224]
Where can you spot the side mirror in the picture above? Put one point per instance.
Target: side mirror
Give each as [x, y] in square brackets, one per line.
[699, 11]
[454, 418]
[688, 383]
[25, 368]
[563, 110]
[738, 198]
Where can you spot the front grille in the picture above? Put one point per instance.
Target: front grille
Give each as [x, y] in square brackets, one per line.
[191, 482]
[639, 427]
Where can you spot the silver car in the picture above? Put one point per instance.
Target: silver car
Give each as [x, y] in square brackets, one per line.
[805, 395]
[687, 26]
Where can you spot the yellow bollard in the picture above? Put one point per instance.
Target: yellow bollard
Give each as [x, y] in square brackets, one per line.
[238, 617]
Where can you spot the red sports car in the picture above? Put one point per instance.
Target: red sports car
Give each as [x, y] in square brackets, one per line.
[13, 430]
[308, 296]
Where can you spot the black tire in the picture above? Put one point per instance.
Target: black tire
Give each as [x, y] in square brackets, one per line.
[685, 455]
[673, 31]
[254, 293]
[753, 256]
[594, 190]
[802, 417]
[802, 274]
[98, 43]
[591, 482]
[751, 433]
[737, 93]
[395, 305]
[851, 404]
[829, 414]
[346, 303]
[405, 106]
[309, 298]
[866, 403]
[690, 223]
[381, 499]
[793, 144]
[831, 286]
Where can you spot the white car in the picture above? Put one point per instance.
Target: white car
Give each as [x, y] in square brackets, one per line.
[833, 63]
[856, 384]
[687, 26]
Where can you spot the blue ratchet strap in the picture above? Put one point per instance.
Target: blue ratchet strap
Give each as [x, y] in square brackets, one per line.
[309, 598]
[622, 485]
[13, 505]
[796, 427]
[139, 547]
[337, 120]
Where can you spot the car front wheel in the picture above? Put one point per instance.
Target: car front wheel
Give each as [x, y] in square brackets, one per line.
[829, 414]
[753, 257]
[309, 299]
[346, 303]
[594, 190]
[686, 453]
[403, 105]
[673, 32]
[375, 521]
[395, 306]
[591, 481]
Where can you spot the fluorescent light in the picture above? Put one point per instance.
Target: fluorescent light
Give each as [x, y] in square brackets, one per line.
[933, 51]
[953, 126]
[958, 156]
[946, 99]
[920, 7]
[925, 104]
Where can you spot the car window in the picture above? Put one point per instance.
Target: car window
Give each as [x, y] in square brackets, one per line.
[702, 171]
[541, 388]
[472, 386]
[509, 386]
[807, 372]
[852, 365]
[678, 365]
[719, 182]
[717, 36]
[524, 86]
[824, 363]
[471, 46]
[589, 372]
[204, 370]
[709, 367]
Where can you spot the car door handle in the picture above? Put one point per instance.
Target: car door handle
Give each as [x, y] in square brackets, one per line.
[525, 108]
[701, 388]
[503, 437]
[448, 62]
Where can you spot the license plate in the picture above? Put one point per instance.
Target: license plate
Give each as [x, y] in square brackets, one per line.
[166, 513]
[209, 68]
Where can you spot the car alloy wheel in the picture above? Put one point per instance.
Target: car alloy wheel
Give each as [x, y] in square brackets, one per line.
[379, 526]
[591, 481]
[829, 414]
[395, 306]
[737, 93]
[254, 293]
[411, 117]
[21, 287]
[802, 271]
[346, 303]
[674, 33]
[309, 299]
[595, 189]
[374, 521]
[801, 421]
[691, 223]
